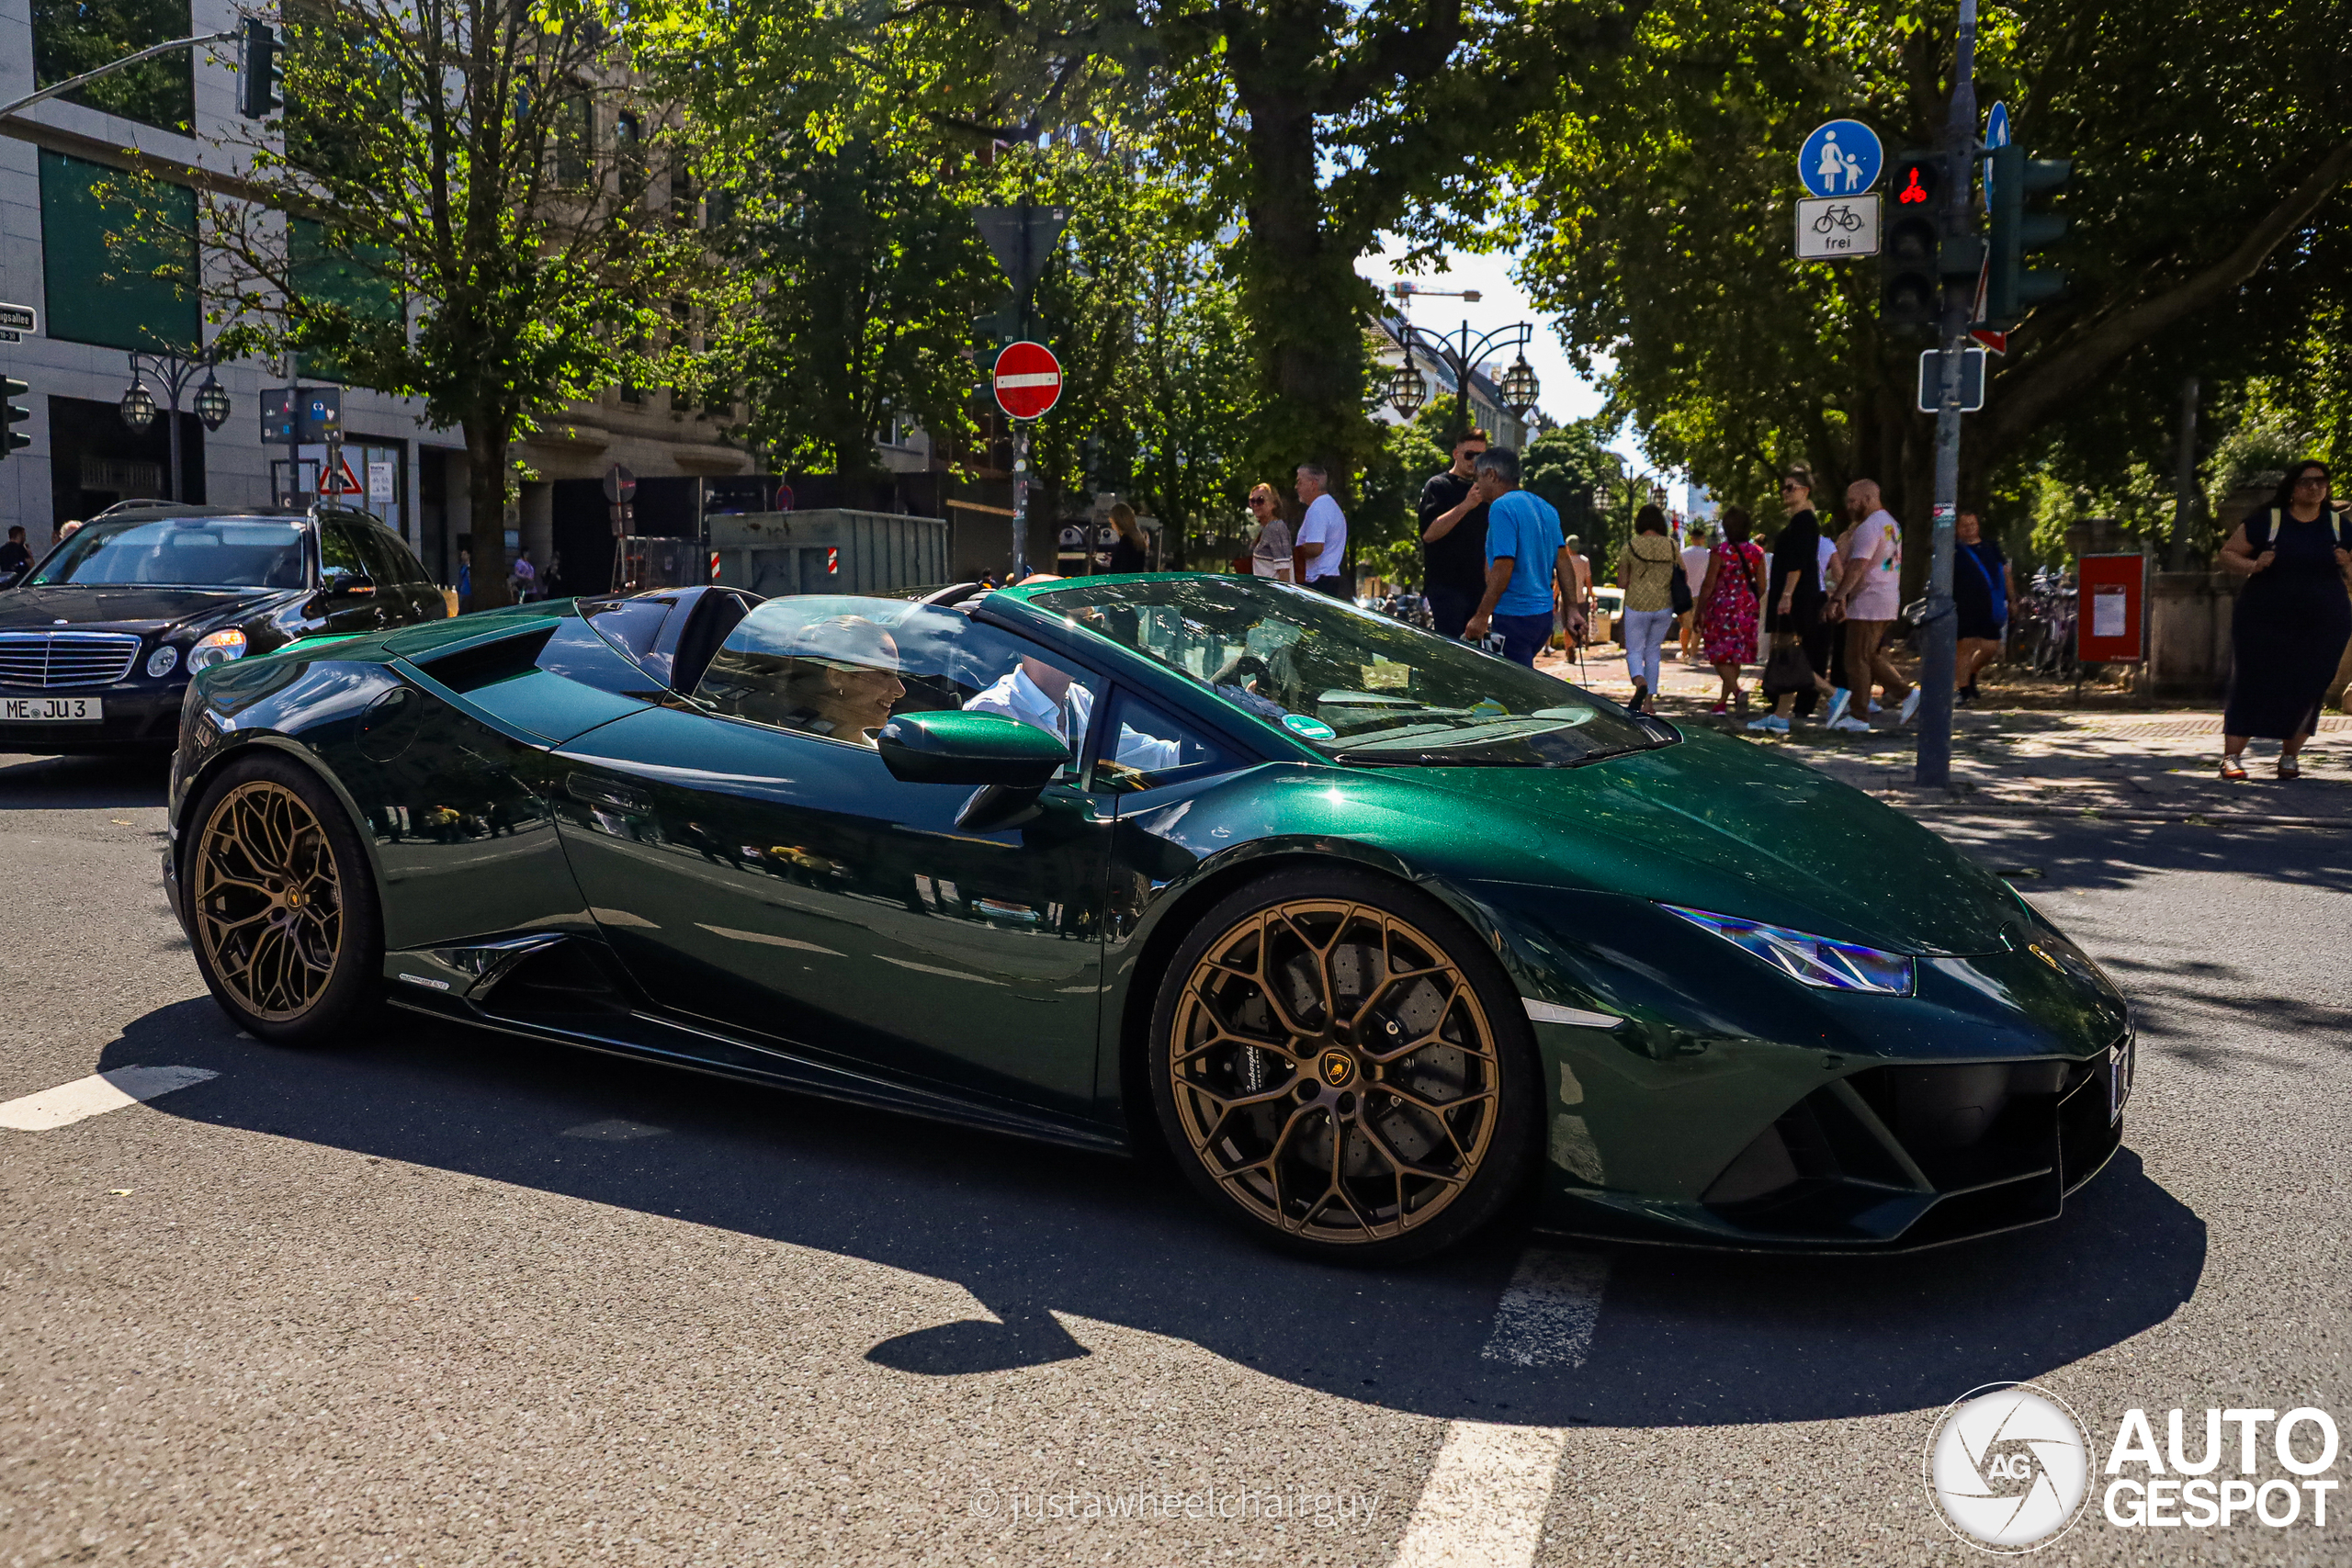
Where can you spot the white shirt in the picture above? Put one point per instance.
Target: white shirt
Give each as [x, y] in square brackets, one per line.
[1694, 566]
[1821, 571]
[1326, 525]
[1015, 696]
[1877, 543]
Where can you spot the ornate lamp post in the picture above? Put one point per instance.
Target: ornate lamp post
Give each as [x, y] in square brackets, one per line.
[175, 371]
[1408, 389]
[1461, 354]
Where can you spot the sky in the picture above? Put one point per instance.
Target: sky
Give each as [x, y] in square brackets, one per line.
[1566, 395]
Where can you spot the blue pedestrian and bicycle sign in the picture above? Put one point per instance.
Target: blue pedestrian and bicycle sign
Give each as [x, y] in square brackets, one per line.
[1842, 158]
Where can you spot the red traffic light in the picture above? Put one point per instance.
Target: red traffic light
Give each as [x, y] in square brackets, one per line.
[1912, 189]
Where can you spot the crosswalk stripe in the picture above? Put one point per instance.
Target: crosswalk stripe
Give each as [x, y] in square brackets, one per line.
[94, 1096]
[1550, 1310]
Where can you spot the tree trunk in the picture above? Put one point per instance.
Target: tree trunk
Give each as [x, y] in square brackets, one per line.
[1300, 287]
[486, 481]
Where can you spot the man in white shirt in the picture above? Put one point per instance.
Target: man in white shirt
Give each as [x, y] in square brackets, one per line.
[1870, 595]
[1695, 556]
[1322, 537]
[1049, 698]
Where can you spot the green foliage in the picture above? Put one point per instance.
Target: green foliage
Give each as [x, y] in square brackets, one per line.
[1566, 465]
[71, 37]
[1388, 511]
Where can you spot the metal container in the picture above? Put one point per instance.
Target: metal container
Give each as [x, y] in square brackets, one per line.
[831, 550]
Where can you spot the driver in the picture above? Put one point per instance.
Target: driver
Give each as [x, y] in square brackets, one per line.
[1047, 698]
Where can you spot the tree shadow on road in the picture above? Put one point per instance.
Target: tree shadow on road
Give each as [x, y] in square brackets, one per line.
[1043, 1237]
[66, 784]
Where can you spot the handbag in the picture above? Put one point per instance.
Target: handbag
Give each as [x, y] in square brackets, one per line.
[1788, 670]
[1678, 585]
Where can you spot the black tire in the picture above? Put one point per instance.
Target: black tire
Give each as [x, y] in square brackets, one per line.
[1424, 1102]
[281, 904]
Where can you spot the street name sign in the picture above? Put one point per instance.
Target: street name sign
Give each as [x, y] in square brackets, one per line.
[1841, 158]
[1832, 227]
[20, 318]
[1972, 380]
[1028, 380]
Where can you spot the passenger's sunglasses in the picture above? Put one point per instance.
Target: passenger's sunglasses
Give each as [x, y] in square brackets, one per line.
[2317, 481]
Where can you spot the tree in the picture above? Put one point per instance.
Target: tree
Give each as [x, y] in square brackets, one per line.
[1664, 193]
[475, 222]
[1569, 465]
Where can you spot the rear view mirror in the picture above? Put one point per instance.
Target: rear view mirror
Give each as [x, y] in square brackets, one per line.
[350, 585]
[956, 748]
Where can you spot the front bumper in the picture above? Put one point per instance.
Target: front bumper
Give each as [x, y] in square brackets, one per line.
[142, 716]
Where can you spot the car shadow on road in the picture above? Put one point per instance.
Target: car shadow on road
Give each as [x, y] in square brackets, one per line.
[1043, 1238]
[65, 784]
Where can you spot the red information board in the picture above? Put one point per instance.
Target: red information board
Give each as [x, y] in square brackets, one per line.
[2110, 625]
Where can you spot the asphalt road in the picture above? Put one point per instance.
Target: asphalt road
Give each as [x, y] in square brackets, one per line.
[440, 1297]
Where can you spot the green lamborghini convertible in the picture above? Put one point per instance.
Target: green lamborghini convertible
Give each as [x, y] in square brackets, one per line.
[1370, 931]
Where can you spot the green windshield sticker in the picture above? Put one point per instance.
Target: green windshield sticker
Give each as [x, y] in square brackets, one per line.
[1308, 727]
[1486, 707]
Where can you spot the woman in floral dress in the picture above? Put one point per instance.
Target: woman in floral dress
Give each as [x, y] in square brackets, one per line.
[1727, 602]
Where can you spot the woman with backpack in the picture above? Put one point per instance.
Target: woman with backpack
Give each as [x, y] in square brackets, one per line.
[1727, 602]
[1980, 596]
[2292, 618]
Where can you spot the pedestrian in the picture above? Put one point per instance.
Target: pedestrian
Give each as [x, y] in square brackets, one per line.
[1867, 597]
[1578, 628]
[465, 580]
[1130, 546]
[2292, 618]
[1726, 605]
[1453, 538]
[523, 578]
[1322, 535]
[1528, 575]
[1981, 591]
[552, 579]
[16, 557]
[1795, 674]
[1646, 570]
[1270, 553]
[1696, 558]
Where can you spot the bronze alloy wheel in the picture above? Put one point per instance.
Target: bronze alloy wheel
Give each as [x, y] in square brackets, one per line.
[1334, 1071]
[268, 904]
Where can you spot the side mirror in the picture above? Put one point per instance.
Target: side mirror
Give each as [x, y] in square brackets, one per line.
[350, 585]
[957, 748]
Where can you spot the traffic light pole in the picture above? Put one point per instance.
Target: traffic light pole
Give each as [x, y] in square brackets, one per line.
[29, 99]
[1939, 648]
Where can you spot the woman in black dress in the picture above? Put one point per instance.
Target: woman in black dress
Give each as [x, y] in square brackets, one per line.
[2293, 617]
[1793, 602]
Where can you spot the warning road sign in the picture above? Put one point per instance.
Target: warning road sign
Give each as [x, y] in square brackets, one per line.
[1028, 380]
[347, 482]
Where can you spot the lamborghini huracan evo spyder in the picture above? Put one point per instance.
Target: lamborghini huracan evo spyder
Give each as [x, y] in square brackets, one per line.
[1368, 927]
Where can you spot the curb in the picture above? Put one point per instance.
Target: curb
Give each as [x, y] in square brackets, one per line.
[2116, 813]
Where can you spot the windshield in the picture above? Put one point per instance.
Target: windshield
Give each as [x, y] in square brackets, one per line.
[181, 552]
[1358, 686]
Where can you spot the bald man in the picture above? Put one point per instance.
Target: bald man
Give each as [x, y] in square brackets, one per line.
[1867, 597]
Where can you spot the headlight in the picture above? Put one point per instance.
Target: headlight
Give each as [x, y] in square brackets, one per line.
[1810, 960]
[216, 648]
[160, 662]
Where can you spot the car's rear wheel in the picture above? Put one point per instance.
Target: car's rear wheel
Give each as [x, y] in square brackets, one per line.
[1338, 1064]
[281, 904]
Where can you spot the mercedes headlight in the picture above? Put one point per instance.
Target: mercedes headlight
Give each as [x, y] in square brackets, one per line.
[160, 662]
[1810, 960]
[218, 647]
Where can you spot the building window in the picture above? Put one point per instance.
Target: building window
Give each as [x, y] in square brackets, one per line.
[74, 36]
[107, 294]
[357, 279]
[575, 137]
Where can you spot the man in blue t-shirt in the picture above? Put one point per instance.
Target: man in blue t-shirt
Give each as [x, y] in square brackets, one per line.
[1527, 564]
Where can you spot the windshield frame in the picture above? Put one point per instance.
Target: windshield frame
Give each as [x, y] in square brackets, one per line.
[1036, 599]
[305, 531]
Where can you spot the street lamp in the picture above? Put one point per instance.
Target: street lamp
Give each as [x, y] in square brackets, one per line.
[175, 371]
[1407, 389]
[1519, 386]
[138, 406]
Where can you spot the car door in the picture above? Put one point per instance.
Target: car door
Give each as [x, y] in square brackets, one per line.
[402, 590]
[341, 555]
[753, 860]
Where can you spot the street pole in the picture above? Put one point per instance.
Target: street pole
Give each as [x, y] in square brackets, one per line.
[1939, 651]
[1020, 501]
[2184, 478]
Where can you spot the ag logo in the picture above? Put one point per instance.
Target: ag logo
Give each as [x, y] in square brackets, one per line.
[2008, 1466]
[1337, 1067]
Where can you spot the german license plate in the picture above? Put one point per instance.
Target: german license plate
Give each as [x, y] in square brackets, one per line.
[51, 710]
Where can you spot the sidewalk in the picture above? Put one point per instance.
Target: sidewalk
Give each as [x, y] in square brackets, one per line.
[2111, 760]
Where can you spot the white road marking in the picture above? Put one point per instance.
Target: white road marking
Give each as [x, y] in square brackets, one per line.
[1484, 1504]
[614, 1130]
[1550, 1310]
[94, 1096]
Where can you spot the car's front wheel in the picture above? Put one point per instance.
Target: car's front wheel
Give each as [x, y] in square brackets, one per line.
[281, 904]
[1338, 1064]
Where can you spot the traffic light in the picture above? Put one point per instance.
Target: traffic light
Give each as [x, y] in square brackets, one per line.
[16, 413]
[1909, 286]
[258, 75]
[2014, 180]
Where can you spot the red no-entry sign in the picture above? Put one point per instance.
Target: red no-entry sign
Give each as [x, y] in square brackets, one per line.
[1028, 380]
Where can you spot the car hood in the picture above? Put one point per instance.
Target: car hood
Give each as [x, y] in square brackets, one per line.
[132, 608]
[1721, 825]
